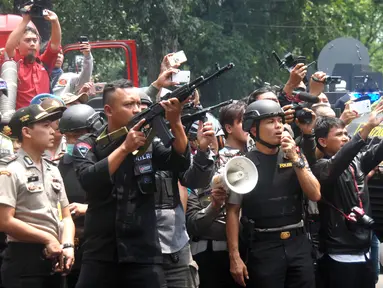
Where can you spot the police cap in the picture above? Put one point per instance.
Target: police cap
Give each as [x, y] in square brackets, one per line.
[29, 115]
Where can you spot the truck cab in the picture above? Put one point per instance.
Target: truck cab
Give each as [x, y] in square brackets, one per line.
[113, 59]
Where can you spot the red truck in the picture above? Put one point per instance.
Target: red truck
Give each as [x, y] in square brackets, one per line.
[122, 51]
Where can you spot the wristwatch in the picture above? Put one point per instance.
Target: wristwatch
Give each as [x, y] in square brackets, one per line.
[67, 245]
[300, 163]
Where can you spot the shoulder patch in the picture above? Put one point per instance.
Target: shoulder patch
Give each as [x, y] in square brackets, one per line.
[83, 148]
[8, 159]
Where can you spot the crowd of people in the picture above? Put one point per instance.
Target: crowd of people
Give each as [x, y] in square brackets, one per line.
[81, 212]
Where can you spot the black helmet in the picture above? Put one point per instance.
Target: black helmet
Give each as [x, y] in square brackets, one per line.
[261, 109]
[80, 116]
[257, 111]
[145, 99]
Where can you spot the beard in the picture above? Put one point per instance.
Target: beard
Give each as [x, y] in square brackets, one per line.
[31, 56]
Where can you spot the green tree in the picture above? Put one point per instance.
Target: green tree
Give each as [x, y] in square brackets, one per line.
[220, 31]
[360, 19]
[6, 6]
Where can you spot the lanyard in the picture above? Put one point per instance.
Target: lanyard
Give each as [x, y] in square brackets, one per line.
[356, 186]
[352, 170]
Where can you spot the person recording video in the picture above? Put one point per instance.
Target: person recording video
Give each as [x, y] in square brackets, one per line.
[345, 234]
[63, 83]
[34, 70]
[297, 74]
[273, 227]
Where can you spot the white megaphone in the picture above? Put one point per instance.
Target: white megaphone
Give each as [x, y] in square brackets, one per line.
[239, 175]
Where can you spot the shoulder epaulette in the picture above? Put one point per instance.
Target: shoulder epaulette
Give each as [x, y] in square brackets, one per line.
[52, 162]
[8, 159]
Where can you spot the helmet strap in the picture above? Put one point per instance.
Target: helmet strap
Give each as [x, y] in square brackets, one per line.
[257, 138]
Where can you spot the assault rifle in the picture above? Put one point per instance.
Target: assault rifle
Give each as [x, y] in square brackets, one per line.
[154, 114]
[189, 118]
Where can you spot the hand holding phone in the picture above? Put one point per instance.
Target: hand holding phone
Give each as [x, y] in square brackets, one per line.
[177, 58]
[181, 77]
[361, 107]
[99, 87]
[83, 39]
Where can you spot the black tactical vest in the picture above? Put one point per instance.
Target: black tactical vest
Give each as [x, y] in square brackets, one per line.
[167, 195]
[144, 172]
[73, 188]
[276, 201]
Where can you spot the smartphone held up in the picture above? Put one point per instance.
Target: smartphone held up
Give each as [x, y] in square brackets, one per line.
[181, 77]
[177, 58]
[361, 107]
[83, 39]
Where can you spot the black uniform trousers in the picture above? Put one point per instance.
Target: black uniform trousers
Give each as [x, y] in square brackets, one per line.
[277, 263]
[214, 269]
[334, 274]
[24, 266]
[99, 274]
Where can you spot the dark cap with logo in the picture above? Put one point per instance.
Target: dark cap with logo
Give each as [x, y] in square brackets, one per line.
[29, 115]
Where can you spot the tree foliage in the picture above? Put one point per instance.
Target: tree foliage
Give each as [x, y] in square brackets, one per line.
[220, 31]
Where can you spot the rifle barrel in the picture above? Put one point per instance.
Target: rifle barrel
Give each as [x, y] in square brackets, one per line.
[219, 72]
[193, 117]
[220, 105]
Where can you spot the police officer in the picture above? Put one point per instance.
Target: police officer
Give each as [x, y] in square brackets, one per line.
[6, 148]
[120, 189]
[279, 252]
[34, 209]
[76, 121]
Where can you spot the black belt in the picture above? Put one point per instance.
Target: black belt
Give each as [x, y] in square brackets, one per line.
[278, 235]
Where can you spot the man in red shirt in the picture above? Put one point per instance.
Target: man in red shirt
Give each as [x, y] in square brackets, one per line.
[23, 46]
